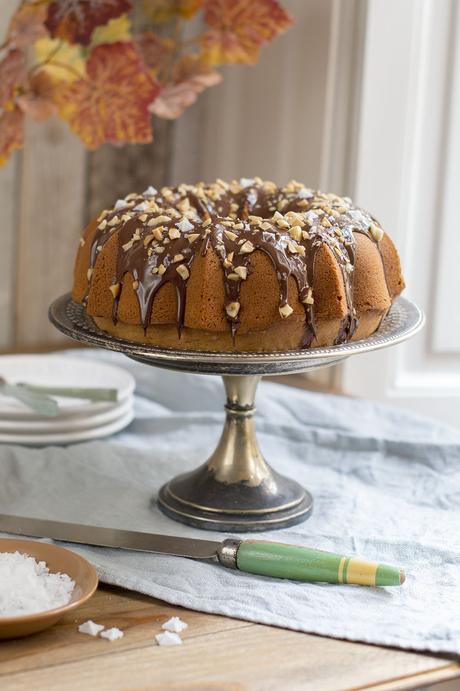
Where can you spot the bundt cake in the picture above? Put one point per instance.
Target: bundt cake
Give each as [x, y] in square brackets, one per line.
[243, 266]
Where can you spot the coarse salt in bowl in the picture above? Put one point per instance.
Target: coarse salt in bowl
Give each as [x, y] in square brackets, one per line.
[51, 581]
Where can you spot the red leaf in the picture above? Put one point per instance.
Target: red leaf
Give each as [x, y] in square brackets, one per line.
[28, 24]
[12, 76]
[11, 133]
[239, 28]
[161, 11]
[190, 77]
[154, 50]
[111, 105]
[75, 20]
[38, 100]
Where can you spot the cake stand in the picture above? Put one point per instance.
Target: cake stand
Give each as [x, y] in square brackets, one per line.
[235, 489]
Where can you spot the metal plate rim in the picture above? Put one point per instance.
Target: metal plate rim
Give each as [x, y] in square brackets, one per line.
[71, 319]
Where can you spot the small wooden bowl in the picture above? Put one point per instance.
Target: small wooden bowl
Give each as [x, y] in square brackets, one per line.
[57, 560]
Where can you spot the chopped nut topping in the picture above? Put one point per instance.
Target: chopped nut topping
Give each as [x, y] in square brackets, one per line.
[206, 223]
[239, 226]
[184, 204]
[142, 217]
[161, 269]
[282, 223]
[126, 217]
[115, 290]
[376, 232]
[102, 224]
[158, 249]
[247, 247]
[192, 237]
[82, 242]
[285, 311]
[89, 273]
[135, 285]
[230, 235]
[308, 300]
[232, 309]
[295, 218]
[242, 272]
[227, 263]
[148, 239]
[266, 226]
[178, 258]
[174, 233]
[233, 277]
[158, 233]
[325, 223]
[183, 271]
[159, 219]
[296, 232]
[114, 221]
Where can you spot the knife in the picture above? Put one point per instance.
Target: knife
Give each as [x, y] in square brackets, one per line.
[274, 559]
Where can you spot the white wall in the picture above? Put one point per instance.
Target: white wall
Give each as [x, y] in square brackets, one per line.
[408, 172]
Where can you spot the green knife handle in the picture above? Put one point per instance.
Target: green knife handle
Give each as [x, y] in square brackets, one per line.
[279, 560]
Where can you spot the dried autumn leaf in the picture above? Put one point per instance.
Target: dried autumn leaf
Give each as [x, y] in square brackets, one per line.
[27, 24]
[240, 28]
[11, 133]
[75, 20]
[13, 74]
[118, 29]
[61, 60]
[154, 50]
[38, 100]
[162, 11]
[190, 77]
[111, 105]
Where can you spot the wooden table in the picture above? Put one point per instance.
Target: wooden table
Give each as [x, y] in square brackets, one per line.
[218, 654]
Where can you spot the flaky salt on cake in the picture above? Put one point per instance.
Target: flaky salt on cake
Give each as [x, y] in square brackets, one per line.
[243, 266]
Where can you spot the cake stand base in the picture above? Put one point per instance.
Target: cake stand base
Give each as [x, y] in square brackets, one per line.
[235, 490]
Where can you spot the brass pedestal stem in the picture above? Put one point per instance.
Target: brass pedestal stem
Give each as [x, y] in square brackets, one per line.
[236, 489]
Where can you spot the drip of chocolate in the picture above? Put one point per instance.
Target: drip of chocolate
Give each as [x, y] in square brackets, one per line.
[159, 236]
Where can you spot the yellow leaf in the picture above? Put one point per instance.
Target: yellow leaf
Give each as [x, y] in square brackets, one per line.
[118, 29]
[67, 62]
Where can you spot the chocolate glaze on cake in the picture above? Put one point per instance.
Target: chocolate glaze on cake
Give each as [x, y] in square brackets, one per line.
[160, 234]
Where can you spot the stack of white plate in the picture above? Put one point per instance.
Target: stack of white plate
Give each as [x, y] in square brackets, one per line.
[78, 419]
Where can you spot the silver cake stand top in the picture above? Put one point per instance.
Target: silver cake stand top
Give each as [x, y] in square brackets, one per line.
[403, 321]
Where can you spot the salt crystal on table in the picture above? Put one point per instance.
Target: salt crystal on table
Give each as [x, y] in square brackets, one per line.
[112, 634]
[175, 625]
[90, 628]
[27, 586]
[168, 638]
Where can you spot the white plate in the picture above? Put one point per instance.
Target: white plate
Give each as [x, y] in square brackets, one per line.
[56, 370]
[68, 437]
[68, 423]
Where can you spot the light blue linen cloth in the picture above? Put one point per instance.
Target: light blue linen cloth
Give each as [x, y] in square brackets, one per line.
[386, 485]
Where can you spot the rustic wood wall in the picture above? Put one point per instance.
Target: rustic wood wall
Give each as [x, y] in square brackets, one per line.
[266, 120]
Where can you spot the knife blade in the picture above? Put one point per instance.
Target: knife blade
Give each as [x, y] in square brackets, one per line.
[273, 559]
